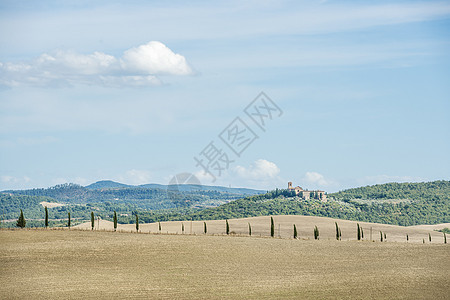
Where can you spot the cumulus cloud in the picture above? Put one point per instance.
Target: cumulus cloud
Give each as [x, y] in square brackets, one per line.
[139, 66]
[261, 169]
[154, 58]
[315, 178]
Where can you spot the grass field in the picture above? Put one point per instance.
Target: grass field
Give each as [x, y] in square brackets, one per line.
[77, 264]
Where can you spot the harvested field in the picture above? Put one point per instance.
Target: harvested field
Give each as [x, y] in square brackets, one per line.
[79, 264]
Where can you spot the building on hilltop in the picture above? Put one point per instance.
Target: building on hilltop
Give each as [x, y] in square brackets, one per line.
[305, 194]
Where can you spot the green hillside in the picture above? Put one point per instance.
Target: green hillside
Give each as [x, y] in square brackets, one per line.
[392, 203]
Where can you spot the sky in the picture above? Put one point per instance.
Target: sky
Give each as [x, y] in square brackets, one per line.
[354, 93]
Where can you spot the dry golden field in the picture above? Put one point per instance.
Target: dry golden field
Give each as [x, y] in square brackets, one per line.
[84, 264]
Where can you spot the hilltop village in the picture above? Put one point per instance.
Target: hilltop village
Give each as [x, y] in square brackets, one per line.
[305, 194]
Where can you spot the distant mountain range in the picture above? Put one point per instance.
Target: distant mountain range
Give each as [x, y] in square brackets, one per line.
[109, 184]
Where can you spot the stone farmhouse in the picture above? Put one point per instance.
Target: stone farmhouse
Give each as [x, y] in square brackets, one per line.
[305, 194]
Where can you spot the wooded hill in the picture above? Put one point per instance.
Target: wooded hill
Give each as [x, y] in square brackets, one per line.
[392, 203]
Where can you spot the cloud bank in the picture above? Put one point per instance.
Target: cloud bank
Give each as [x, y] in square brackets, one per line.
[139, 66]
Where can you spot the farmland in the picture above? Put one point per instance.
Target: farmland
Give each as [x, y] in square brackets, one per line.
[98, 264]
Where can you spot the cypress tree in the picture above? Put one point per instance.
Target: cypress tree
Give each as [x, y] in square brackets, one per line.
[381, 236]
[182, 228]
[204, 227]
[227, 227]
[250, 230]
[316, 233]
[429, 237]
[337, 231]
[295, 232]
[384, 236]
[423, 241]
[272, 227]
[445, 238]
[362, 233]
[407, 237]
[46, 217]
[137, 223]
[92, 220]
[21, 222]
[340, 234]
[115, 221]
[159, 227]
[68, 220]
[358, 235]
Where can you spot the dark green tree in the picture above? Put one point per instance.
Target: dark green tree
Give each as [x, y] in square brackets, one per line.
[68, 220]
[115, 221]
[381, 236]
[46, 217]
[92, 220]
[137, 223]
[182, 228]
[445, 238]
[272, 227]
[21, 222]
[384, 236]
[362, 233]
[429, 237]
[250, 230]
[316, 233]
[358, 234]
[204, 227]
[159, 227]
[407, 237]
[337, 231]
[340, 234]
[295, 232]
[227, 227]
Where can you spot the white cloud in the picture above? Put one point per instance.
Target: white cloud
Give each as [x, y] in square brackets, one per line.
[379, 179]
[315, 178]
[136, 177]
[14, 180]
[261, 169]
[138, 66]
[154, 58]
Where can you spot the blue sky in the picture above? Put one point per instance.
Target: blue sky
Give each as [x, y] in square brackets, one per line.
[132, 91]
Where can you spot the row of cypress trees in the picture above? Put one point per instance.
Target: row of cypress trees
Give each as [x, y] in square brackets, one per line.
[21, 222]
